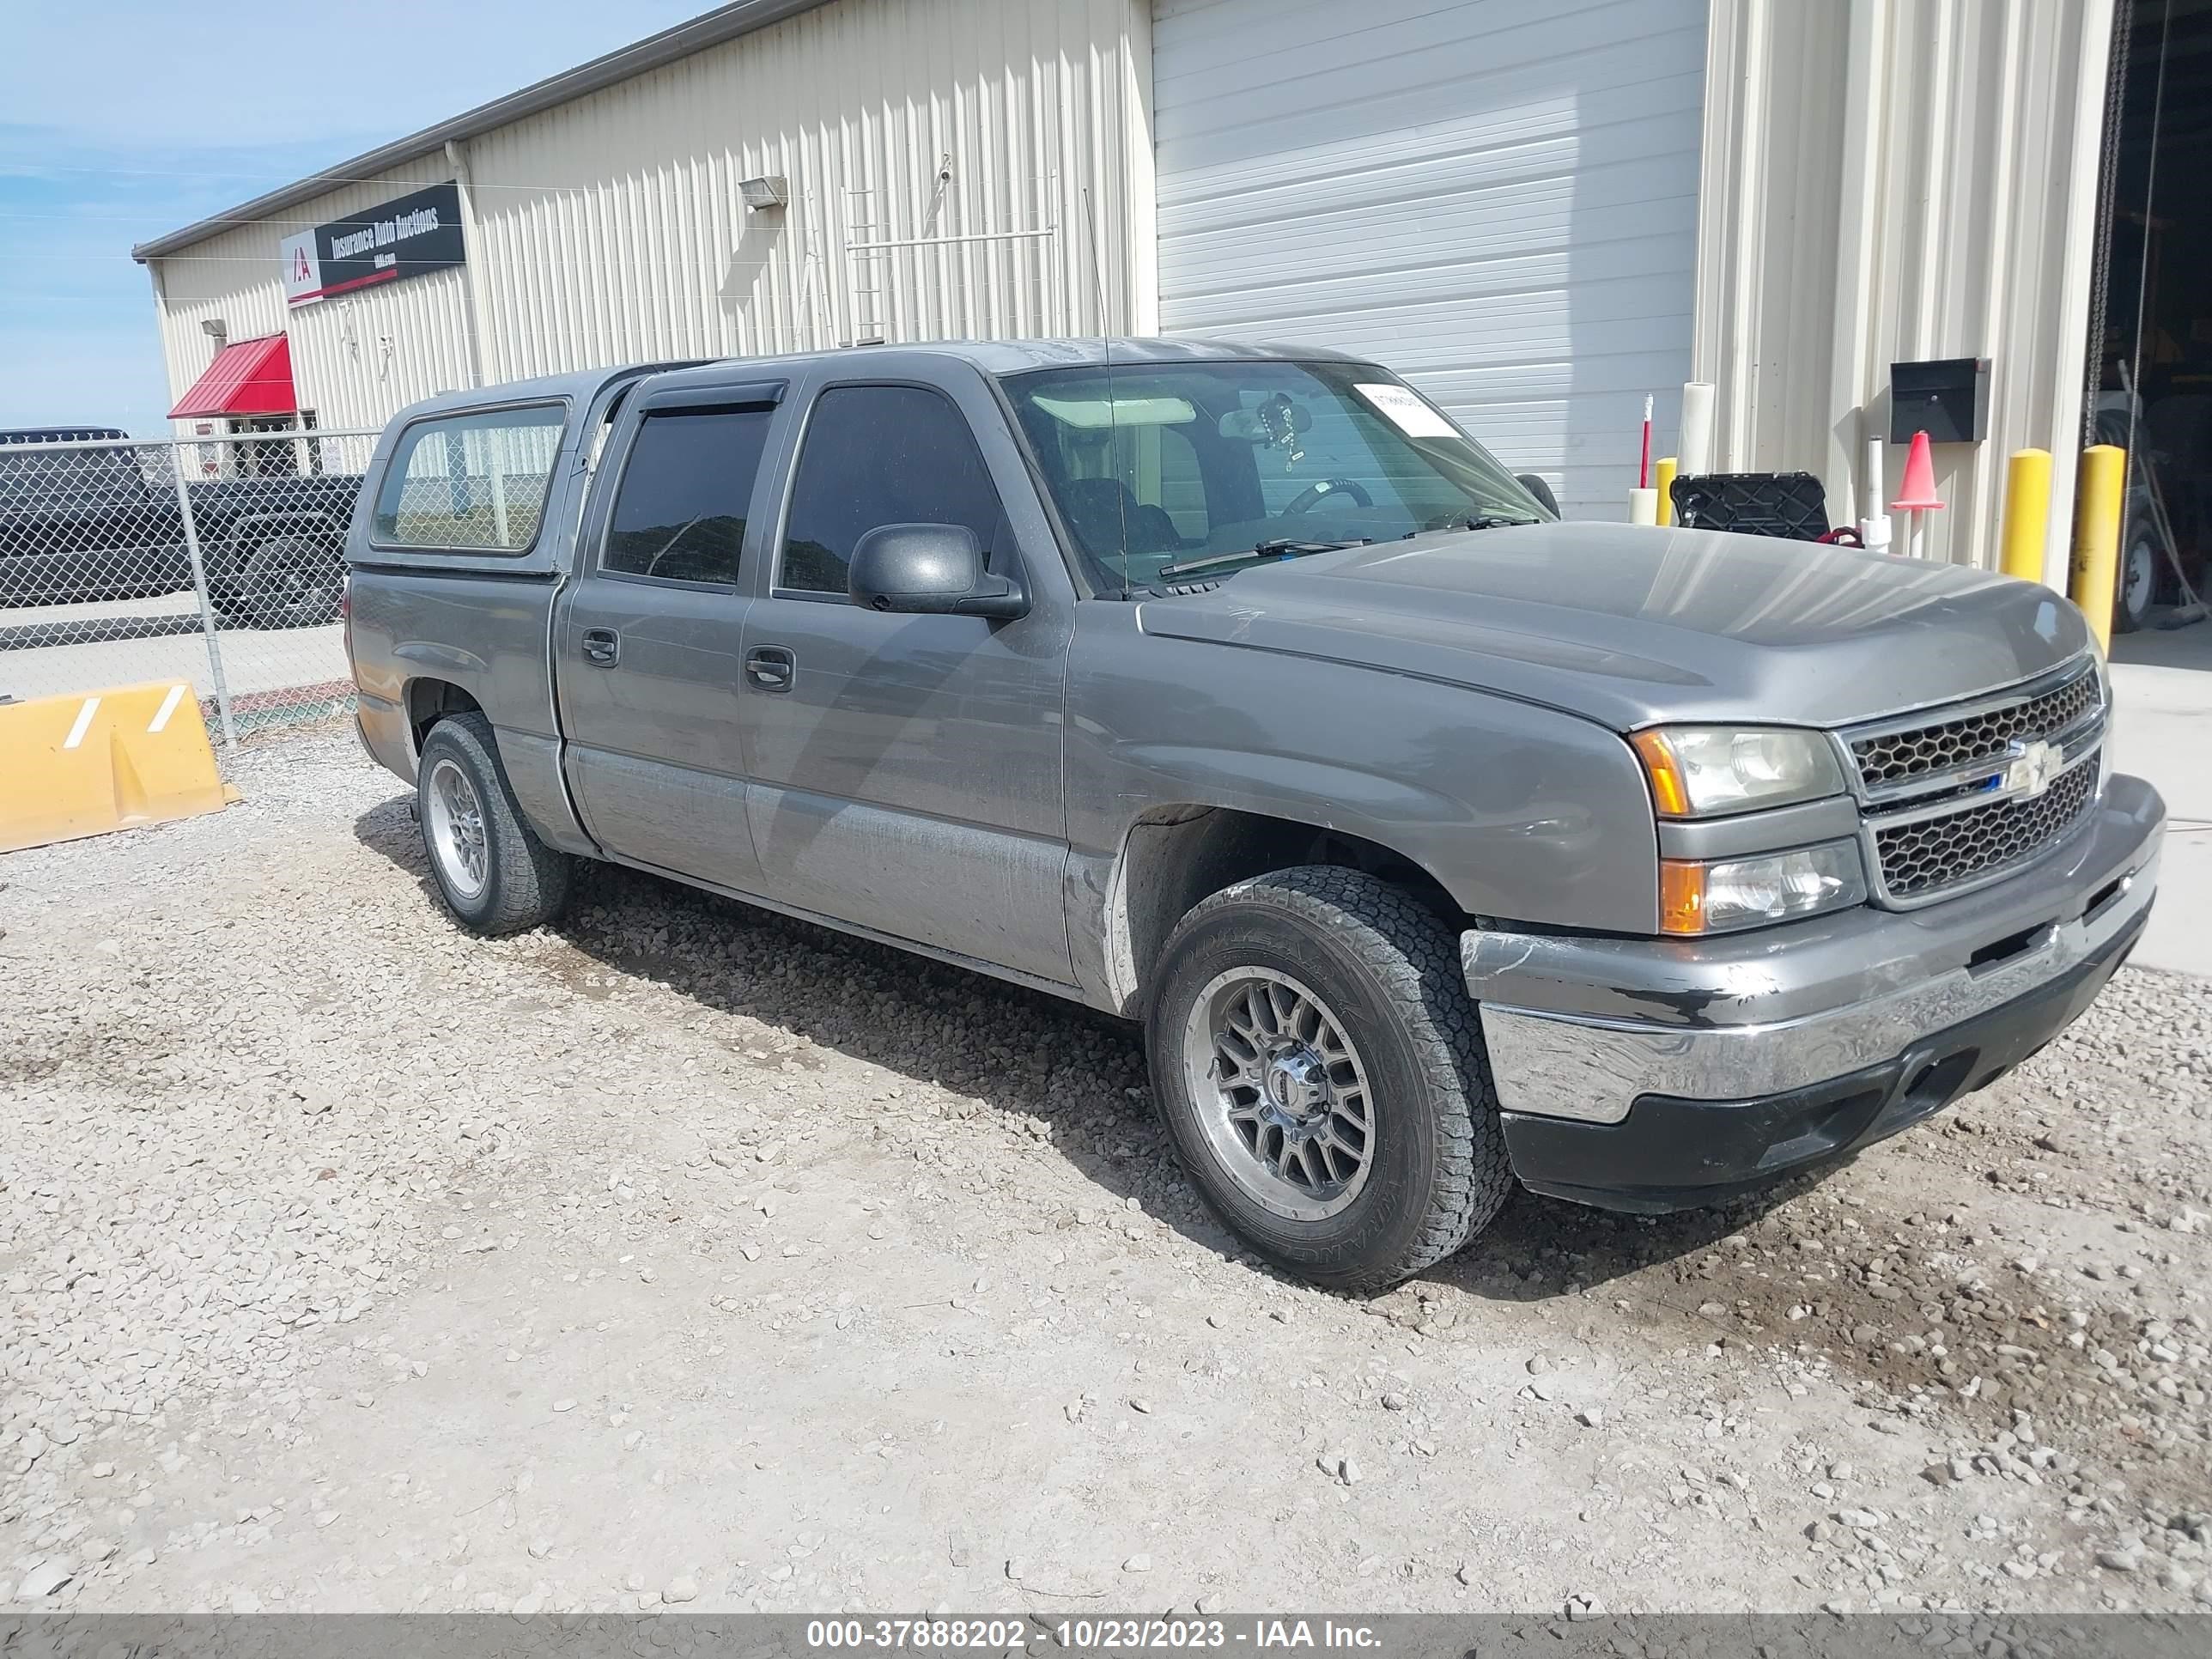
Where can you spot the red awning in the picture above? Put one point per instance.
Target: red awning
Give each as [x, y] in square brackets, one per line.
[253, 377]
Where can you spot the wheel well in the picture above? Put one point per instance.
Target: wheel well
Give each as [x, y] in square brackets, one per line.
[1173, 856]
[429, 702]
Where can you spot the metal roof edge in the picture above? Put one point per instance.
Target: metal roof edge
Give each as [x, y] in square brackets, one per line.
[711, 30]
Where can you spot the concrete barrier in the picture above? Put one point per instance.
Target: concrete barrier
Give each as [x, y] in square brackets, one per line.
[74, 766]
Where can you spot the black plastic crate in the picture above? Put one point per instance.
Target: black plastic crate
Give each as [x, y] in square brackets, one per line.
[1793, 505]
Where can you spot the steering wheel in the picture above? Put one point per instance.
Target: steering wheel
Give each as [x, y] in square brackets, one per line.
[1314, 494]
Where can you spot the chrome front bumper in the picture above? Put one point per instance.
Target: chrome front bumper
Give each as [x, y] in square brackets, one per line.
[1579, 1028]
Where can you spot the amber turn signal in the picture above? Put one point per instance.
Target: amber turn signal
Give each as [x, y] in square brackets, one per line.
[1681, 895]
[1668, 791]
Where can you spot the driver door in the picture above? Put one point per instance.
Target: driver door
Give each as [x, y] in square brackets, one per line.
[906, 769]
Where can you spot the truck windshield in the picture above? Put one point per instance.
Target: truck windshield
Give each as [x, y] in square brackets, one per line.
[1174, 466]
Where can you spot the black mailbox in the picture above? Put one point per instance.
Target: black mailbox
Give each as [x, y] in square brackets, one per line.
[1948, 398]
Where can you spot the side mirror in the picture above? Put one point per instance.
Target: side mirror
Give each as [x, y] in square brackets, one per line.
[1534, 484]
[929, 569]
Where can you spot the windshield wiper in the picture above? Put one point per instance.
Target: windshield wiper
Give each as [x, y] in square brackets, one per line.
[1279, 547]
[1452, 526]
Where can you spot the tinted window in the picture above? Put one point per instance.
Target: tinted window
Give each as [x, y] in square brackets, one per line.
[679, 514]
[469, 481]
[877, 455]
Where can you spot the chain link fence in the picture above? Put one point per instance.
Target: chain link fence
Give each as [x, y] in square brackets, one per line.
[217, 560]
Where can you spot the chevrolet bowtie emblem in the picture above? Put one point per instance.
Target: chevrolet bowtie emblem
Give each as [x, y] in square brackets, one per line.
[2030, 767]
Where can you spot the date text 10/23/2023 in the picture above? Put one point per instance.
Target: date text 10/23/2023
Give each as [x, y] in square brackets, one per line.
[1099, 1633]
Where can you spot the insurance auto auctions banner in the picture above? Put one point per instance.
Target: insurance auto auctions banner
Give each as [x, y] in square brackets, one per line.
[411, 237]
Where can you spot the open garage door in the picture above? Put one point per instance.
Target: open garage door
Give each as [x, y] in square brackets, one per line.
[1497, 197]
[2155, 303]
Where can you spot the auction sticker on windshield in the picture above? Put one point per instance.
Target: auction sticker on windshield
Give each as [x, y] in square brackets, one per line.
[1406, 412]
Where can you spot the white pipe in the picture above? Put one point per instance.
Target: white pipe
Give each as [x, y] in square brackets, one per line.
[473, 262]
[1874, 523]
[1643, 507]
[948, 242]
[1694, 453]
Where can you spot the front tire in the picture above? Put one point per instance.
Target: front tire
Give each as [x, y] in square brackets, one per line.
[1320, 1067]
[494, 874]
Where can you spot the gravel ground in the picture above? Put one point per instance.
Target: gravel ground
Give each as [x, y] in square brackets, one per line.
[684, 1256]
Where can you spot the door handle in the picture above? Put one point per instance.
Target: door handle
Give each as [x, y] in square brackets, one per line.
[771, 668]
[601, 647]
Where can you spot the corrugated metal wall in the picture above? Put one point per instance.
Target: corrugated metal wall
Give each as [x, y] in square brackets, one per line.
[610, 229]
[1887, 181]
[1497, 197]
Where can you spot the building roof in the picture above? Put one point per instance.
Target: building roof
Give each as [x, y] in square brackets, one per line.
[724, 23]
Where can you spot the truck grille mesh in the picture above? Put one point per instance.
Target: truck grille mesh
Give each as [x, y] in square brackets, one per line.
[1919, 858]
[1896, 756]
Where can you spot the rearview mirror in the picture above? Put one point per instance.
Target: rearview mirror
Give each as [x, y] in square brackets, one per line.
[1265, 425]
[929, 569]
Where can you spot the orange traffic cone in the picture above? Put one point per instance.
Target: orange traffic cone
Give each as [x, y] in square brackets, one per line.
[1917, 493]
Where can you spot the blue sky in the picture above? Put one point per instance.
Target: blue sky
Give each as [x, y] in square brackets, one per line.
[121, 120]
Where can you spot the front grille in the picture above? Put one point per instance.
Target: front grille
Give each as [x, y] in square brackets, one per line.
[1935, 853]
[1944, 806]
[1892, 757]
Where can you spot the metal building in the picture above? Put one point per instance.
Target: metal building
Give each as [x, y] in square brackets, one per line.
[777, 175]
[1541, 209]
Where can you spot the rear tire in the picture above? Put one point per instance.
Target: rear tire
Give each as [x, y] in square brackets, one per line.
[292, 581]
[1320, 1067]
[494, 874]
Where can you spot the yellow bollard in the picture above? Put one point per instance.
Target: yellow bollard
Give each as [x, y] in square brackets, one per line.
[2027, 514]
[1662, 479]
[2096, 501]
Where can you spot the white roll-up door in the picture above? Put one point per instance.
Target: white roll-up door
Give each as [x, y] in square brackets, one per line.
[1497, 197]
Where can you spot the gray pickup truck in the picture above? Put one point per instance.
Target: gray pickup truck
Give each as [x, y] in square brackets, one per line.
[1436, 843]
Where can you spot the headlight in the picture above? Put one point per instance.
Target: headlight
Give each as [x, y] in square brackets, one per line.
[1731, 893]
[1702, 771]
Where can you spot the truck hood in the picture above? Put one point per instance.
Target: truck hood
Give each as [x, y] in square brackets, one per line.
[1628, 625]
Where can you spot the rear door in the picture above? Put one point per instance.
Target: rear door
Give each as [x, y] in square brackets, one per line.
[646, 646]
[907, 769]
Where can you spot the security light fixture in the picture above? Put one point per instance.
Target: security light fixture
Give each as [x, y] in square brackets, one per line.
[772, 191]
[215, 329]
